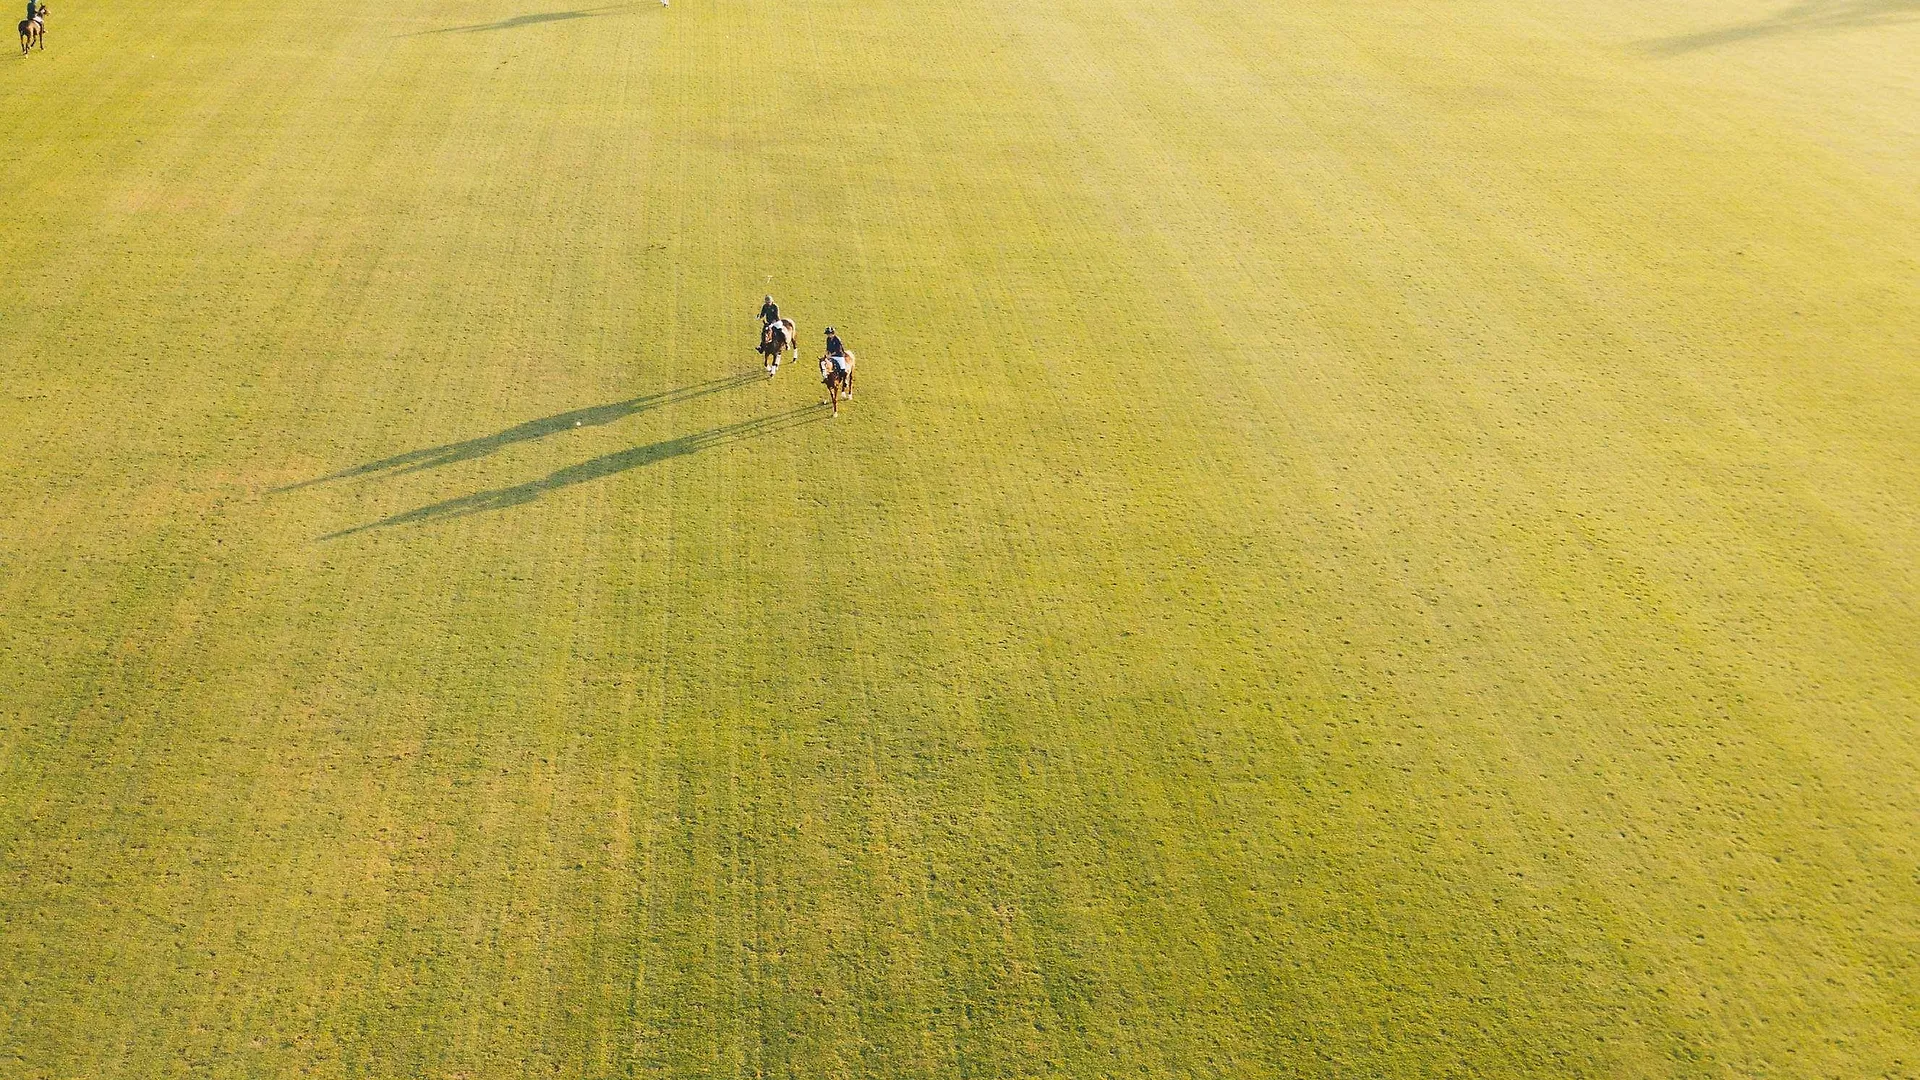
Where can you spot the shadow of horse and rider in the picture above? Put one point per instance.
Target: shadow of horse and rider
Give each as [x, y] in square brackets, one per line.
[598, 468]
[434, 457]
[465, 450]
[519, 21]
[1804, 17]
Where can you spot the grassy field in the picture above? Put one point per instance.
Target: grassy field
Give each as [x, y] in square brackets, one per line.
[1374, 539]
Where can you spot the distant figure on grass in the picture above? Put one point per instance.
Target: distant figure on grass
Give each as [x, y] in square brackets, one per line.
[33, 28]
[775, 338]
[836, 370]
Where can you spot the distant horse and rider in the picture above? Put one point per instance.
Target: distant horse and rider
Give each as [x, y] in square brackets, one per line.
[777, 338]
[777, 335]
[836, 371]
[33, 28]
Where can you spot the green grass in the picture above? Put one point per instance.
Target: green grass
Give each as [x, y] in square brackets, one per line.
[1374, 539]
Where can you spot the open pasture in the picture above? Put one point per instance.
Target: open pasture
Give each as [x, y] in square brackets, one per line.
[1375, 539]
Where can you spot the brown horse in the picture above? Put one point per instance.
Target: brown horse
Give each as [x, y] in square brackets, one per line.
[839, 383]
[34, 31]
[777, 337]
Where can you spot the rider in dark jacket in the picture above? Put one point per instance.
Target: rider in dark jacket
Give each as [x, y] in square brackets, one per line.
[33, 10]
[769, 314]
[834, 348]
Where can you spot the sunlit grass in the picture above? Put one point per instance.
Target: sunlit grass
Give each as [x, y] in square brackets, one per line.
[1373, 540]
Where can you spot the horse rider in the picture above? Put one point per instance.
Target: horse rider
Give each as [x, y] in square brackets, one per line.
[36, 13]
[836, 352]
[769, 311]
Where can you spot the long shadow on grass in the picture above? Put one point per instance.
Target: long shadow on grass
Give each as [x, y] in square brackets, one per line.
[597, 468]
[1807, 16]
[520, 20]
[434, 457]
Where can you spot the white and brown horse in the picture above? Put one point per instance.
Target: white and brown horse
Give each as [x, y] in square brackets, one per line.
[839, 381]
[775, 338]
